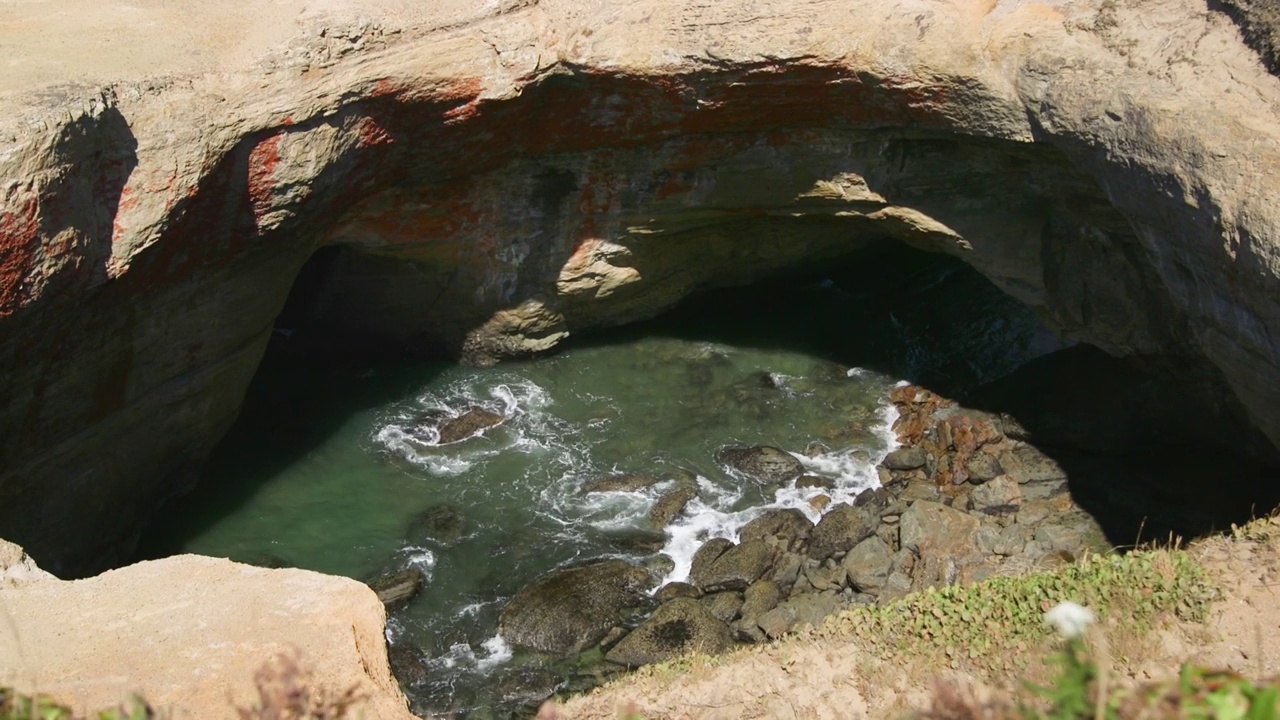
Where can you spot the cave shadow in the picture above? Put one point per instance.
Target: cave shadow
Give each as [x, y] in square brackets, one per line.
[308, 384]
[1153, 447]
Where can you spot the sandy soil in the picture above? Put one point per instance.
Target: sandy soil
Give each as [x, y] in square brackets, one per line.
[833, 679]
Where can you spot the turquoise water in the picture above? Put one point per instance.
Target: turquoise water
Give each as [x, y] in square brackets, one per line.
[329, 467]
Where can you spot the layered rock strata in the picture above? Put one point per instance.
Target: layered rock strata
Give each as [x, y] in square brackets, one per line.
[500, 179]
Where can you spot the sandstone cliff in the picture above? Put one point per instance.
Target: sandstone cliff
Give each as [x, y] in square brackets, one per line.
[501, 177]
[189, 633]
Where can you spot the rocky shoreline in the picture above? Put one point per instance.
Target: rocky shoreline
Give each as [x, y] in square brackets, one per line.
[962, 499]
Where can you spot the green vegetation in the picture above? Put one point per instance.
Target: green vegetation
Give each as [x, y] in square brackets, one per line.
[15, 706]
[994, 626]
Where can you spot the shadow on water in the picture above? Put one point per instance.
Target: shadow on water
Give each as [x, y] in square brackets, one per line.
[1152, 446]
[305, 389]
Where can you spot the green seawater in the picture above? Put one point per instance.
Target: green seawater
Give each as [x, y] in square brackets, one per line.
[328, 468]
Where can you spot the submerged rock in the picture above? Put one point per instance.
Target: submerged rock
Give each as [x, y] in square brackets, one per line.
[472, 422]
[397, 588]
[762, 463]
[679, 627]
[567, 611]
[623, 482]
[442, 523]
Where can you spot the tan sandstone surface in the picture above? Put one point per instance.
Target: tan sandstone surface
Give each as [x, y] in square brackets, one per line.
[188, 633]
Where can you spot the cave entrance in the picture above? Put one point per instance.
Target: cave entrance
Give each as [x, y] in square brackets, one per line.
[337, 464]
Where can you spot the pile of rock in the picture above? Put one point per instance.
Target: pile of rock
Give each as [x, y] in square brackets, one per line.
[964, 498]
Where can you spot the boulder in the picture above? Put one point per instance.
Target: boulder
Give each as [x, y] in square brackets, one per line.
[724, 605]
[809, 609]
[934, 529]
[737, 568]
[677, 628]
[707, 553]
[1001, 495]
[759, 599]
[471, 422]
[623, 482]
[441, 523]
[1027, 464]
[982, 466]
[906, 458]
[815, 481]
[868, 565]
[786, 569]
[397, 588]
[839, 530]
[762, 463]
[673, 590]
[671, 504]
[788, 526]
[567, 611]
[189, 633]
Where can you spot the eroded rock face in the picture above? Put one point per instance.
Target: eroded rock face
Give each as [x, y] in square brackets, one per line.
[189, 632]
[519, 173]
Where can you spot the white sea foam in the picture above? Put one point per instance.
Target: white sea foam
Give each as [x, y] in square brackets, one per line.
[498, 652]
[853, 470]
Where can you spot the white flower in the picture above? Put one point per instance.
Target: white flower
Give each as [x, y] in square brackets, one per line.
[1069, 619]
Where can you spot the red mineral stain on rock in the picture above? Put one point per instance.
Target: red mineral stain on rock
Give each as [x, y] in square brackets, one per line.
[371, 133]
[263, 161]
[19, 247]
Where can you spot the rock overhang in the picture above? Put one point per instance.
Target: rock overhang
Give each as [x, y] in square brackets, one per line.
[151, 233]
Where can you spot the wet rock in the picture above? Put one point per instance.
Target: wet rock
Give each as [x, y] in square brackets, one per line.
[789, 527]
[408, 664]
[934, 529]
[868, 565]
[441, 523]
[567, 611]
[907, 458]
[676, 628]
[269, 561]
[397, 588]
[737, 568]
[815, 481]
[624, 482]
[673, 590]
[671, 504]
[724, 605]
[637, 541]
[982, 466]
[660, 565]
[814, 449]
[472, 422]
[708, 553]
[839, 530]
[808, 609]
[819, 502]
[762, 463]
